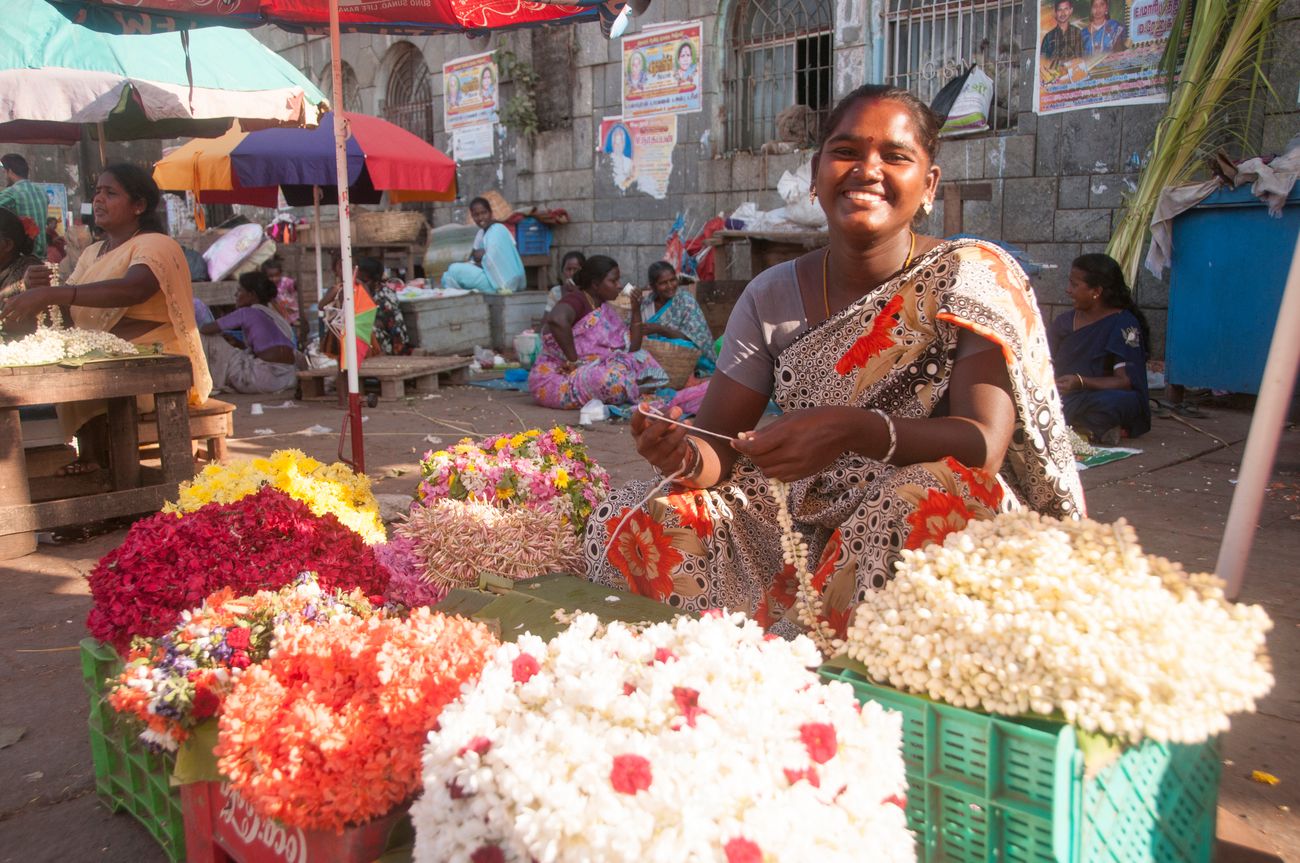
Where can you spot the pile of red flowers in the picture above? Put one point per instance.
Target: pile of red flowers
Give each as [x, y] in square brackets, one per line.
[328, 730]
[167, 564]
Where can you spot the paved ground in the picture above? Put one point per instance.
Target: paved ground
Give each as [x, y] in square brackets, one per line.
[1176, 493]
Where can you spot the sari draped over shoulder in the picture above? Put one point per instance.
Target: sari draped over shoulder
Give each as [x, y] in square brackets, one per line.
[606, 369]
[683, 313]
[894, 349]
[502, 270]
[170, 310]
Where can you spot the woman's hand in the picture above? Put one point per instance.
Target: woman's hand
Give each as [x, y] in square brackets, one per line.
[661, 444]
[37, 276]
[1068, 383]
[799, 444]
[28, 304]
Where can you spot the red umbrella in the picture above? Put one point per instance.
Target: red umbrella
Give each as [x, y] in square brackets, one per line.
[389, 16]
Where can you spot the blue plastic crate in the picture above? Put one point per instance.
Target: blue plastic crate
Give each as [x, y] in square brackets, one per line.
[532, 237]
[987, 788]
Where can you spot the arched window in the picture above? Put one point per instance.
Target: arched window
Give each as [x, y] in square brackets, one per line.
[781, 57]
[351, 90]
[408, 99]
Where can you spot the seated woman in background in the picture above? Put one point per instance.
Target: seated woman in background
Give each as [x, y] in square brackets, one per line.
[494, 265]
[587, 351]
[569, 266]
[1099, 349]
[265, 364]
[17, 239]
[286, 290]
[673, 315]
[134, 284]
[389, 334]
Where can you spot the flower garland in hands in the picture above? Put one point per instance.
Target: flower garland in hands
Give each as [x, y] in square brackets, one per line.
[50, 343]
[617, 745]
[794, 552]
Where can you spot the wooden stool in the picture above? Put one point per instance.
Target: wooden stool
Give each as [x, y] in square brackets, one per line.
[211, 423]
[393, 373]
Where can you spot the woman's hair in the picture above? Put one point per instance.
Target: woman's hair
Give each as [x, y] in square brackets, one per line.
[927, 122]
[370, 268]
[594, 270]
[571, 256]
[273, 264]
[139, 186]
[481, 200]
[12, 229]
[257, 284]
[658, 270]
[1102, 271]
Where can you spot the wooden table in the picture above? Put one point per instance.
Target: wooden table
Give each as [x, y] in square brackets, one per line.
[167, 378]
[766, 248]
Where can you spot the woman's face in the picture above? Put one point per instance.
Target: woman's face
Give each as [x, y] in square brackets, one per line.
[637, 64]
[481, 215]
[1083, 295]
[113, 207]
[617, 142]
[685, 58]
[873, 173]
[1100, 11]
[243, 297]
[273, 273]
[487, 81]
[571, 267]
[665, 287]
[607, 289]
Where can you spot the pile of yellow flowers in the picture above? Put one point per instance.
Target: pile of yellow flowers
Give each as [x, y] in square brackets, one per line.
[324, 488]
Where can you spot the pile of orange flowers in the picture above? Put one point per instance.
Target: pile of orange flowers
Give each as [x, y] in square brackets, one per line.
[327, 732]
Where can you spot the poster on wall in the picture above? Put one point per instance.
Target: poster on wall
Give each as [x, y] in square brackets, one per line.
[56, 200]
[640, 152]
[469, 91]
[472, 142]
[661, 71]
[1100, 53]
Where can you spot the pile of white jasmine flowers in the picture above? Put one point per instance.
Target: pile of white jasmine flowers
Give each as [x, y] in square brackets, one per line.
[1025, 614]
[686, 741]
[50, 344]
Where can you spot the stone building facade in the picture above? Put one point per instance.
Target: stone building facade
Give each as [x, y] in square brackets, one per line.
[1055, 183]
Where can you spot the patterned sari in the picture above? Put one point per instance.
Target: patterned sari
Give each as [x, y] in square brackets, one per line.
[894, 349]
[606, 370]
[684, 314]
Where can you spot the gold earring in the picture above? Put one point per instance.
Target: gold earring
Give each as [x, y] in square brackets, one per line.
[812, 194]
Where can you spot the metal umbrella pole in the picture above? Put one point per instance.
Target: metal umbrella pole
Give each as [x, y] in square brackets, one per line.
[345, 245]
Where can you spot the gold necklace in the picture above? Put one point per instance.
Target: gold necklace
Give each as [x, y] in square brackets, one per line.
[826, 295]
[110, 246]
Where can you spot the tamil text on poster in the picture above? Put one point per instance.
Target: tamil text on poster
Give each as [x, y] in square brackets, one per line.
[1101, 53]
[640, 152]
[661, 71]
[469, 91]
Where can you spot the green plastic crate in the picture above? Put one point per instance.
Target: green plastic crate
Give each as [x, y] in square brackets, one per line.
[983, 788]
[128, 776]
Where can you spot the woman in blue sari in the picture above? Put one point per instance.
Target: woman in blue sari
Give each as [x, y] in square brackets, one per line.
[674, 316]
[1099, 349]
[494, 266]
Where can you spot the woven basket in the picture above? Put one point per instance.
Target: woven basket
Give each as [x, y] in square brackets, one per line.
[390, 226]
[678, 362]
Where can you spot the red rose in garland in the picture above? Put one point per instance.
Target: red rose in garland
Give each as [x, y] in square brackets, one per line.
[168, 564]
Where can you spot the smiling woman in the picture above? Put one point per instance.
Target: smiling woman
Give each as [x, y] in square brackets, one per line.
[916, 391]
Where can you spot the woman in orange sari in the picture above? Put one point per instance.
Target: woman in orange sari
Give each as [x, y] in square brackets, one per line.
[134, 283]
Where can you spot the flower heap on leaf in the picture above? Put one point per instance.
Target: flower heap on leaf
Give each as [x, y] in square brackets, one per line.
[325, 488]
[1025, 614]
[167, 565]
[406, 582]
[327, 731]
[548, 471]
[50, 343]
[691, 740]
[173, 683]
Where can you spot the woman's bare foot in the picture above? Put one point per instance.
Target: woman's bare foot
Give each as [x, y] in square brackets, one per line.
[78, 468]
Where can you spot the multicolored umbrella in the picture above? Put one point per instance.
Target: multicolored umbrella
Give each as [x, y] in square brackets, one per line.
[248, 167]
[364, 310]
[57, 76]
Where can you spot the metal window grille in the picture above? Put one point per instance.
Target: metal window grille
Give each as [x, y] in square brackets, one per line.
[930, 42]
[408, 100]
[351, 89]
[782, 56]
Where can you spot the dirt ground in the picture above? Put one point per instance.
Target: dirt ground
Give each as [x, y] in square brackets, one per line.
[1176, 493]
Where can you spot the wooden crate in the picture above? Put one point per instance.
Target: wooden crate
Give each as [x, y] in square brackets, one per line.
[511, 314]
[393, 373]
[448, 325]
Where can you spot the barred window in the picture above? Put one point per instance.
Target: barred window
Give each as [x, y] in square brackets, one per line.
[408, 99]
[351, 90]
[930, 42]
[781, 57]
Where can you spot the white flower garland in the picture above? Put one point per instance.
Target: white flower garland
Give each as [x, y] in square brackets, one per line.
[808, 600]
[1028, 614]
[691, 740]
[49, 344]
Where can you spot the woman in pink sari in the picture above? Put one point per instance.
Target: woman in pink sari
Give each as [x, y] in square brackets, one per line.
[587, 351]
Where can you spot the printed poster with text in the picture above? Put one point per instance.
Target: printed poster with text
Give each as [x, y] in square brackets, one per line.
[469, 91]
[661, 71]
[1101, 53]
[640, 152]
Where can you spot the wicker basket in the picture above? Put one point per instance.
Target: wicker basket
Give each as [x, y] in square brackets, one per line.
[392, 227]
[678, 362]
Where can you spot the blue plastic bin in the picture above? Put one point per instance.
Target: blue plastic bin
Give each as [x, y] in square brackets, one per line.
[1230, 265]
[532, 237]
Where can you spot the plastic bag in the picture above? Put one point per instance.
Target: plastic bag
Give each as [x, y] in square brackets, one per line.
[799, 208]
[964, 103]
[593, 411]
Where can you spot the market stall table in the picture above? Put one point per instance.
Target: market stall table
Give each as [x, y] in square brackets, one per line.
[118, 381]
